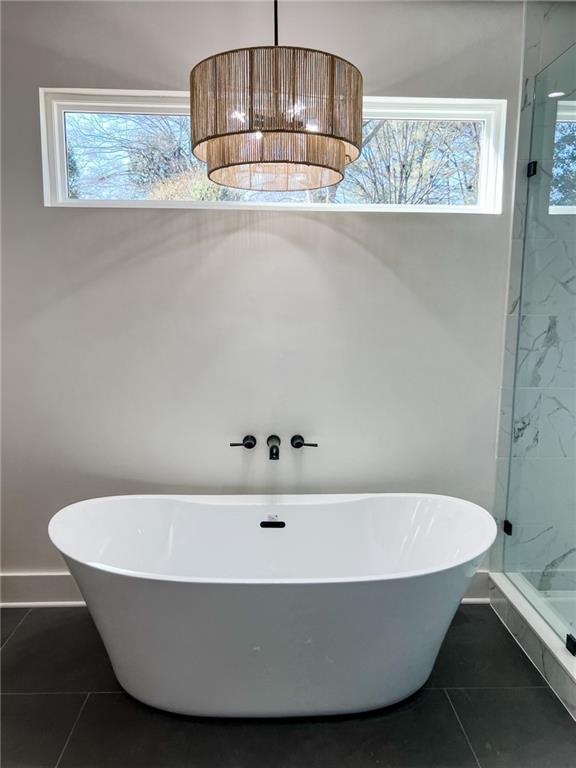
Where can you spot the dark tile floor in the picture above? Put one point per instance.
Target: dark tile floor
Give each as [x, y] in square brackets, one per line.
[484, 706]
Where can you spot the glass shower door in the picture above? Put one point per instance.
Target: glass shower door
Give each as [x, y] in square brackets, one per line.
[540, 552]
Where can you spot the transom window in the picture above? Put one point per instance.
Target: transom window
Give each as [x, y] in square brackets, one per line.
[563, 181]
[127, 149]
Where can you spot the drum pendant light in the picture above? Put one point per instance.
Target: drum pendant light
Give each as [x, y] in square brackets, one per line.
[276, 118]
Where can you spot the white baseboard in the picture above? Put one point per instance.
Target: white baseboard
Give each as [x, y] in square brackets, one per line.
[58, 588]
[38, 588]
[479, 590]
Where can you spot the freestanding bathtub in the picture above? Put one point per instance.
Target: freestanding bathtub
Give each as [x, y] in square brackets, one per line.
[252, 606]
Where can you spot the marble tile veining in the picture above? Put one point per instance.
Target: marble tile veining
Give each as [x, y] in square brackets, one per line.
[505, 425]
[551, 568]
[526, 424]
[547, 351]
[544, 423]
[549, 285]
[541, 504]
[534, 547]
[558, 424]
[510, 343]
[544, 226]
[515, 279]
[559, 681]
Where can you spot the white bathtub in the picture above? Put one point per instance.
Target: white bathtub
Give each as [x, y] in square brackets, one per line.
[205, 612]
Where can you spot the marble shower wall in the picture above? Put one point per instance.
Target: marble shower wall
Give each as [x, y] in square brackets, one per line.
[536, 450]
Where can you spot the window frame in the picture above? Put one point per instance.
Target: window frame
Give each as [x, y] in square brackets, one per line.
[565, 112]
[54, 102]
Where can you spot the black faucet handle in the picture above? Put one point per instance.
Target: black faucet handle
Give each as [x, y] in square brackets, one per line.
[297, 441]
[247, 442]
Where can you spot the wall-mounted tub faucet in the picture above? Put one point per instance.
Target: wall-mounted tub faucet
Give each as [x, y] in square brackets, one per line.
[273, 443]
[247, 442]
[297, 441]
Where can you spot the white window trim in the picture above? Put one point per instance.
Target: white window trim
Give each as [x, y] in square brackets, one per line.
[566, 112]
[54, 102]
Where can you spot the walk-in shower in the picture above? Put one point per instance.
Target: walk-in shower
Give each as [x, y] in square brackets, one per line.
[539, 550]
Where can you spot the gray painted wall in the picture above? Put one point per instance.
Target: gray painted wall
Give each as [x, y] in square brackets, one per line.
[138, 343]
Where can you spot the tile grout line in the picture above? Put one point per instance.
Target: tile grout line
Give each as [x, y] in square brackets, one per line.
[427, 688]
[456, 715]
[75, 723]
[60, 693]
[16, 627]
[519, 644]
[543, 646]
[483, 687]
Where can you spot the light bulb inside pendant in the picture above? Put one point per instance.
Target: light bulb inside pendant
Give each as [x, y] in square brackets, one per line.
[276, 118]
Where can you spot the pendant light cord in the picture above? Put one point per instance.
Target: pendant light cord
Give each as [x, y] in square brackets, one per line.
[275, 22]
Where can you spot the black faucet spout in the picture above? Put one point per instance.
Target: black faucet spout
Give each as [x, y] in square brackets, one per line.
[273, 443]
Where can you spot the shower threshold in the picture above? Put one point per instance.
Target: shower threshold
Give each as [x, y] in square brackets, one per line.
[530, 617]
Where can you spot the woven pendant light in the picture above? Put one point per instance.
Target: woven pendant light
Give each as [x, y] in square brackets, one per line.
[276, 118]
